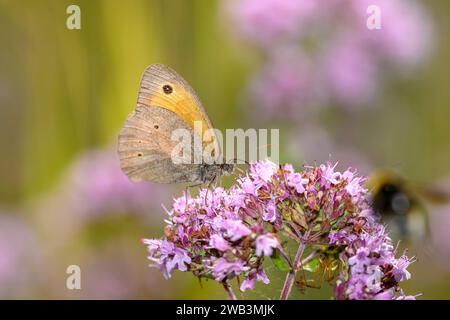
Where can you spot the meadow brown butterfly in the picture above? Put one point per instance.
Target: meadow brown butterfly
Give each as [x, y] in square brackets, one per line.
[166, 102]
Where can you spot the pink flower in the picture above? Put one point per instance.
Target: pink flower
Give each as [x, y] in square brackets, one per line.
[329, 175]
[180, 204]
[384, 295]
[360, 260]
[265, 245]
[249, 282]
[406, 298]
[347, 56]
[19, 253]
[351, 74]
[223, 268]
[95, 185]
[268, 21]
[405, 35]
[296, 181]
[180, 260]
[219, 243]
[284, 87]
[263, 170]
[248, 186]
[270, 213]
[400, 265]
[235, 229]
[167, 256]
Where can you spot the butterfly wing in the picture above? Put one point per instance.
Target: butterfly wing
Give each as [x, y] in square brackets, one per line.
[162, 86]
[145, 147]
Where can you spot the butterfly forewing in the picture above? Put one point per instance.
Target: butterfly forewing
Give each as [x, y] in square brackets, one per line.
[162, 86]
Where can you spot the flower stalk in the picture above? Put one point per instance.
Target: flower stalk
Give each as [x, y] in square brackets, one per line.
[229, 291]
[290, 277]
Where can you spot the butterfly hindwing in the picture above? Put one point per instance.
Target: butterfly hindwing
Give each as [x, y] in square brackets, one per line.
[145, 147]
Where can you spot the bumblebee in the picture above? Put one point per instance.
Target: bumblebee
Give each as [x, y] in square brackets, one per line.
[401, 204]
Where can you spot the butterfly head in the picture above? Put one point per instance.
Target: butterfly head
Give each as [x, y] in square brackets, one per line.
[210, 172]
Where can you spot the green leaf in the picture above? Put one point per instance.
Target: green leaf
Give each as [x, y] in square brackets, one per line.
[299, 217]
[279, 261]
[312, 266]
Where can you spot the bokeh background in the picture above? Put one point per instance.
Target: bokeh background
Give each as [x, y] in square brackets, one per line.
[337, 91]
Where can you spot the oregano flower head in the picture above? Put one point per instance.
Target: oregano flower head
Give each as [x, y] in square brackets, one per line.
[226, 234]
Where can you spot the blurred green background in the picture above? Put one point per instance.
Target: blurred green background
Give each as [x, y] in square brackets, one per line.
[64, 92]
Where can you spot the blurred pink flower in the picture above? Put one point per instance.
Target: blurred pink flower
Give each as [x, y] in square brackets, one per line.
[269, 21]
[98, 182]
[338, 60]
[94, 186]
[94, 195]
[350, 74]
[118, 275]
[18, 256]
[405, 36]
[284, 87]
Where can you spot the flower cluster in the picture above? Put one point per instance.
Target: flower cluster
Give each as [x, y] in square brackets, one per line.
[372, 272]
[212, 237]
[332, 51]
[223, 234]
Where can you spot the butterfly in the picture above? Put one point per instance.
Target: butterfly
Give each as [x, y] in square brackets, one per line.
[166, 102]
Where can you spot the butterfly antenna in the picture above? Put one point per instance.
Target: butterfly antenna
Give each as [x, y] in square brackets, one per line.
[240, 170]
[237, 159]
[260, 147]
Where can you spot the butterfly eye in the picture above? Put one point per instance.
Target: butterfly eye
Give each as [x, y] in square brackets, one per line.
[167, 89]
[156, 126]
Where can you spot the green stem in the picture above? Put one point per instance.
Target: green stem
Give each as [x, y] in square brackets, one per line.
[290, 277]
[229, 290]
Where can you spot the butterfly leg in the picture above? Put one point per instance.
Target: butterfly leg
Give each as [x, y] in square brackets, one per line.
[217, 181]
[194, 185]
[213, 180]
[187, 193]
[186, 190]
